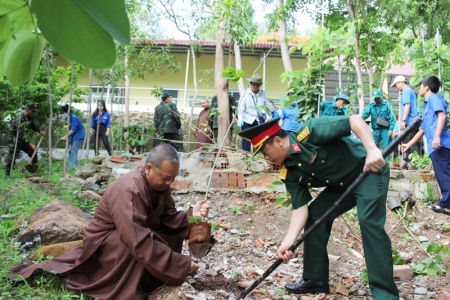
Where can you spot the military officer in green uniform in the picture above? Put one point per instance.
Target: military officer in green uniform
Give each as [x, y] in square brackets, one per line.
[320, 153]
[335, 107]
[167, 123]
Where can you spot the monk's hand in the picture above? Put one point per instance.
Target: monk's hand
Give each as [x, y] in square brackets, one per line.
[374, 160]
[201, 208]
[194, 266]
[284, 253]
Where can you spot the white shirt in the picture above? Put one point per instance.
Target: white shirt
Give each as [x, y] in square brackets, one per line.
[247, 111]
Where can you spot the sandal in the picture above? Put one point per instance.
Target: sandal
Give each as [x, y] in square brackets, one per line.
[440, 210]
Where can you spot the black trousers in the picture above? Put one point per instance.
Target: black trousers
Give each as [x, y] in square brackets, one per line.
[175, 137]
[22, 145]
[415, 148]
[101, 135]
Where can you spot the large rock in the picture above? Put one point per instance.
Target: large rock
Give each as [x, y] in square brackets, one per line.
[55, 222]
[87, 171]
[91, 195]
[98, 160]
[88, 183]
[55, 250]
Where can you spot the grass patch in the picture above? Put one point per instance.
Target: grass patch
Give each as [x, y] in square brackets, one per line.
[18, 199]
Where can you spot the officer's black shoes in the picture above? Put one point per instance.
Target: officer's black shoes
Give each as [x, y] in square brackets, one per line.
[308, 286]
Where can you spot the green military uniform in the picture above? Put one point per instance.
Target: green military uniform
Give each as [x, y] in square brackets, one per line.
[212, 119]
[168, 124]
[323, 155]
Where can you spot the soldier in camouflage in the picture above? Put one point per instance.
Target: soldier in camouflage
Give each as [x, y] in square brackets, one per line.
[212, 119]
[19, 130]
[167, 122]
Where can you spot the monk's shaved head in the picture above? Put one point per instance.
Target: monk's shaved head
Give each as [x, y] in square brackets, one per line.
[161, 153]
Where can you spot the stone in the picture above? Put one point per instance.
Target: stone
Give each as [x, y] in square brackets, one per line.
[264, 180]
[423, 239]
[397, 174]
[91, 195]
[55, 222]
[403, 273]
[431, 295]
[87, 171]
[119, 172]
[257, 166]
[101, 191]
[88, 183]
[211, 272]
[55, 250]
[37, 179]
[67, 180]
[420, 291]
[181, 185]
[235, 161]
[98, 160]
[223, 293]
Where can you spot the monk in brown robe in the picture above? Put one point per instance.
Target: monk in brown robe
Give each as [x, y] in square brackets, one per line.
[202, 131]
[134, 241]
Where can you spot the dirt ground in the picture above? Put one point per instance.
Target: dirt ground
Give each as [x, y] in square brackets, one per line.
[238, 258]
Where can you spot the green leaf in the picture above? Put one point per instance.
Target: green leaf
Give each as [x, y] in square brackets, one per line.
[277, 183]
[5, 31]
[22, 57]
[279, 201]
[21, 19]
[111, 17]
[74, 34]
[193, 220]
[292, 49]
[7, 6]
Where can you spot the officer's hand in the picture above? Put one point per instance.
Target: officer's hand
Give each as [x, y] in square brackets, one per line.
[374, 160]
[194, 267]
[240, 123]
[436, 143]
[402, 125]
[63, 138]
[107, 133]
[201, 208]
[284, 253]
[91, 132]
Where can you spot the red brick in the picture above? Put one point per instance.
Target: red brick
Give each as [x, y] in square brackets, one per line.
[215, 180]
[224, 177]
[232, 178]
[241, 181]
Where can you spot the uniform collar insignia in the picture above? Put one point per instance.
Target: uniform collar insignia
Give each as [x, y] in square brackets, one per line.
[313, 157]
[303, 134]
[283, 172]
[296, 148]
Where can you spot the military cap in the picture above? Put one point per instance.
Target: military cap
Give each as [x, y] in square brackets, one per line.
[166, 95]
[32, 107]
[342, 97]
[376, 93]
[258, 135]
[255, 79]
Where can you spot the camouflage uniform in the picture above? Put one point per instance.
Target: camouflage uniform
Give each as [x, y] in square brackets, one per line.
[168, 124]
[23, 124]
[212, 120]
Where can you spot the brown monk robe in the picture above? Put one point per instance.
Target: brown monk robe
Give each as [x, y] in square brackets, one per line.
[202, 131]
[126, 249]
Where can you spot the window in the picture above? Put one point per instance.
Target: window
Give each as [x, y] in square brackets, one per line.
[97, 91]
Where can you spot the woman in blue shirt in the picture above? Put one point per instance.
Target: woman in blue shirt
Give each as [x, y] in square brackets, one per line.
[289, 118]
[102, 118]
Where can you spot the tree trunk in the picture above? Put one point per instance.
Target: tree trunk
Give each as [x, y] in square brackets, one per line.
[127, 94]
[353, 16]
[371, 70]
[238, 60]
[194, 74]
[111, 86]
[283, 45]
[88, 128]
[50, 129]
[221, 88]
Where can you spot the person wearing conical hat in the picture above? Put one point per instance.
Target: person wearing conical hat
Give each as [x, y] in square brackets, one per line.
[336, 107]
[320, 153]
[250, 111]
[382, 120]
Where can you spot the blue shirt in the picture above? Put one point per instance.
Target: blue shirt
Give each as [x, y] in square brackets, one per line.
[433, 105]
[77, 127]
[408, 97]
[275, 114]
[106, 120]
[328, 108]
[289, 117]
[383, 110]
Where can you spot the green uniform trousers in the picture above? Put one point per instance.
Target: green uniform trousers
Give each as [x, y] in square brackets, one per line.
[370, 198]
[381, 137]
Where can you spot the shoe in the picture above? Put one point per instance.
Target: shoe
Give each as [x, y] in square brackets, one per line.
[308, 286]
[403, 164]
[440, 210]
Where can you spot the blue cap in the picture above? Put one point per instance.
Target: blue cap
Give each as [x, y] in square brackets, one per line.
[376, 93]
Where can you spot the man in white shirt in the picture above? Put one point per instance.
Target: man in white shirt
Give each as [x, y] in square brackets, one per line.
[251, 112]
